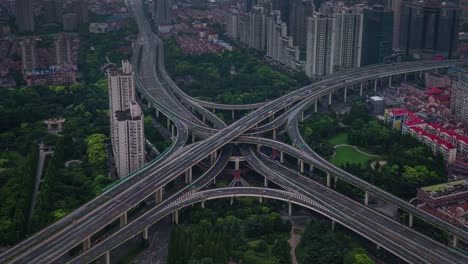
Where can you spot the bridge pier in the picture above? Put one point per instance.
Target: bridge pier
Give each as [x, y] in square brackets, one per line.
[188, 176]
[345, 93]
[316, 106]
[172, 130]
[330, 99]
[107, 257]
[328, 179]
[301, 166]
[233, 115]
[301, 118]
[203, 204]
[157, 112]
[333, 225]
[265, 182]
[390, 81]
[311, 169]
[232, 200]
[204, 119]
[360, 89]
[213, 157]
[375, 86]
[87, 243]
[168, 122]
[123, 220]
[145, 233]
[258, 148]
[289, 208]
[158, 197]
[410, 223]
[274, 133]
[260, 199]
[236, 163]
[335, 181]
[193, 138]
[455, 241]
[281, 157]
[366, 198]
[175, 217]
[404, 76]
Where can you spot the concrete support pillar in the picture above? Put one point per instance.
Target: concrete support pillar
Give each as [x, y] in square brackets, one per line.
[188, 175]
[145, 234]
[258, 148]
[173, 130]
[361, 88]
[455, 241]
[311, 169]
[328, 179]
[404, 77]
[274, 133]
[175, 217]
[265, 182]
[168, 122]
[107, 259]
[289, 208]
[410, 223]
[157, 112]
[214, 110]
[204, 119]
[390, 81]
[203, 204]
[232, 200]
[316, 107]
[213, 157]
[236, 163]
[281, 157]
[345, 93]
[149, 105]
[260, 199]
[335, 181]
[366, 198]
[330, 99]
[123, 219]
[193, 138]
[375, 85]
[301, 166]
[158, 197]
[233, 115]
[301, 119]
[87, 244]
[420, 75]
[333, 225]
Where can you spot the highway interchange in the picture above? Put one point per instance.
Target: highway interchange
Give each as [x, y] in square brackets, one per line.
[50, 244]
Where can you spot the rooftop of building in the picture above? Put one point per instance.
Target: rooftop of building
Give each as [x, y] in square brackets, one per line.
[449, 132]
[443, 189]
[432, 137]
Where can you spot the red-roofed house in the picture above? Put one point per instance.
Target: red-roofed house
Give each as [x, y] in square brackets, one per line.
[459, 141]
[434, 142]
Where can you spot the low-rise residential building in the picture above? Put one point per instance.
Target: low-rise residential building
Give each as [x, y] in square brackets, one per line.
[448, 201]
[98, 28]
[54, 75]
[435, 143]
[443, 194]
[433, 79]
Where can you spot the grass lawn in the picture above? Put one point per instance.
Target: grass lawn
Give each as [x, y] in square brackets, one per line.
[348, 154]
[341, 138]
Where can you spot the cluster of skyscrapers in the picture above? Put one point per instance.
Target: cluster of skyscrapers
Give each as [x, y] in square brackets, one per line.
[67, 13]
[320, 37]
[127, 128]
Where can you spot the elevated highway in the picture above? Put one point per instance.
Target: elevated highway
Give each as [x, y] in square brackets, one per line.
[78, 227]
